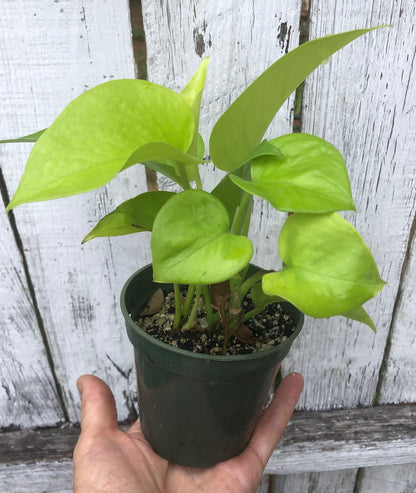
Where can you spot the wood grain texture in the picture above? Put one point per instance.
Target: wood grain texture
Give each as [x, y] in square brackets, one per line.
[264, 485]
[41, 445]
[27, 389]
[42, 477]
[241, 41]
[315, 482]
[394, 479]
[313, 441]
[362, 102]
[51, 52]
[398, 382]
[346, 439]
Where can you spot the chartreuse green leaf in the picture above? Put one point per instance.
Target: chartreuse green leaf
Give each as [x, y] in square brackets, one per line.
[102, 131]
[169, 171]
[27, 138]
[265, 148]
[228, 193]
[328, 269]
[200, 148]
[163, 151]
[133, 216]
[192, 93]
[261, 299]
[240, 129]
[360, 315]
[308, 176]
[192, 244]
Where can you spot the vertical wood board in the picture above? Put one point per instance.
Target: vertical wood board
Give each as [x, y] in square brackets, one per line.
[398, 379]
[241, 41]
[51, 53]
[27, 389]
[360, 102]
[394, 479]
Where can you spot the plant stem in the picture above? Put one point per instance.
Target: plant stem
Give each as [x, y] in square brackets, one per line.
[249, 283]
[227, 334]
[198, 180]
[188, 300]
[253, 313]
[212, 317]
[182, 173]
[240, 214]
[235, 284]
[178, 303]
[194, 311]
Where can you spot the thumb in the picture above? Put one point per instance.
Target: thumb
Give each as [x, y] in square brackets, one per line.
[98, 408]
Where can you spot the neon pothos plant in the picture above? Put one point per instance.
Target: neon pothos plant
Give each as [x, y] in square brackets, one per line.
[199, 238]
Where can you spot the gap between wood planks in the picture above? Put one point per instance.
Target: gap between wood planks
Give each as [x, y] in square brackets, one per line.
[139, 49]
[387, 349]
[16, 235]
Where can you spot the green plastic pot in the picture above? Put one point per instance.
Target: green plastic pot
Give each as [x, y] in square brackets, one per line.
[196, 410]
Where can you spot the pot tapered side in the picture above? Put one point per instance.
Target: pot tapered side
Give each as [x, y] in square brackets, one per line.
[196, 410]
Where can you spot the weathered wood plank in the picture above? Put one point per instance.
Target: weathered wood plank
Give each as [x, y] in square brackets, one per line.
[316, 482]
[264, 485]
[399, 373]
[313, 441]
[53, 52]
[360, 101]
[346, 439]
[44, 444]
[242, 41]
[42, 477]
[397, 479]
[27, 389]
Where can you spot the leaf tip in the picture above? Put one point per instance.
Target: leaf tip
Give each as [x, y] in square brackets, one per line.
[11, 205]
[87, 238]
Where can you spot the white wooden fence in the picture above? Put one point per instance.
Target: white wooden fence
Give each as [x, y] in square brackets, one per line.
[59, 312]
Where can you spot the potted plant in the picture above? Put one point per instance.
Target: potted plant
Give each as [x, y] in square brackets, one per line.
[199, 406]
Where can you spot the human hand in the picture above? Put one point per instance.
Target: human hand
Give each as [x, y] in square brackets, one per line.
[108, 460]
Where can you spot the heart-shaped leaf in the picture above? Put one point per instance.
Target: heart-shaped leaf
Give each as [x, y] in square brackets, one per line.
[192, 244]
[240, 129]
[103, 131]
[133, 216]
[360, 315]
[309, 176]
[328, 269]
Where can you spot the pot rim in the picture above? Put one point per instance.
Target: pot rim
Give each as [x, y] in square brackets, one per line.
[201, 356]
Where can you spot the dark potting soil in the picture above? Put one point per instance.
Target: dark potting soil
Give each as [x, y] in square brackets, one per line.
[266, 330]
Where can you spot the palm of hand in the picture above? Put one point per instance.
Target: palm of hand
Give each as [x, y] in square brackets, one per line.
[108, 460]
